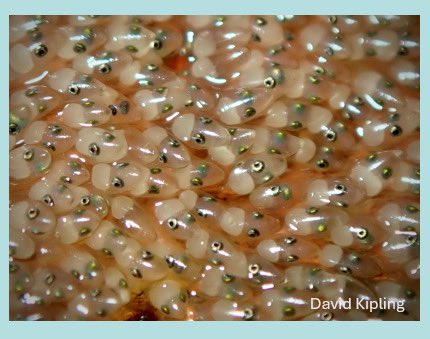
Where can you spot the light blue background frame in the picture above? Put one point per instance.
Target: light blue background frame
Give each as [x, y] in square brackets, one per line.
[47, 330]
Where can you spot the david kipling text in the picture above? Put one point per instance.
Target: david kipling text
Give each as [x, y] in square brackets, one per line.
[359, 304]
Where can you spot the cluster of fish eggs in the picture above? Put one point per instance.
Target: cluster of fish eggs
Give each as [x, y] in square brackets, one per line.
[213, 167]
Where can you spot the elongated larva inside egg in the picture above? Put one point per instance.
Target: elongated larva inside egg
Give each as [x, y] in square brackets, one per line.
[214, 167]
